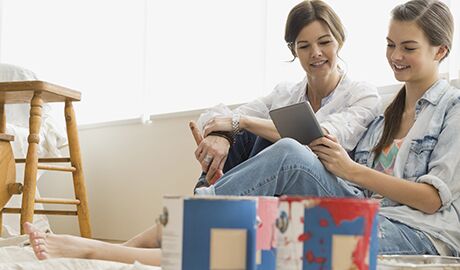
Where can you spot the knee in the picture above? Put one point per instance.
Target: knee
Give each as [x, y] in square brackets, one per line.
[290, 147]
[287, 143]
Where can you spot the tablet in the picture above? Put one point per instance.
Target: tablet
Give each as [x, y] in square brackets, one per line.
[297, 121]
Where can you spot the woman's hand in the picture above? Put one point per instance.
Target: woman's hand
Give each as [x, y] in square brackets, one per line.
[333, 156]
[220, 123]
[212, 153]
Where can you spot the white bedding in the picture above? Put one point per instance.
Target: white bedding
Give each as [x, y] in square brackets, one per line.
[15, 257]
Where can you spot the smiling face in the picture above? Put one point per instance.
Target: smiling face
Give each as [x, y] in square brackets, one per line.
[317, 50]
[410, 54]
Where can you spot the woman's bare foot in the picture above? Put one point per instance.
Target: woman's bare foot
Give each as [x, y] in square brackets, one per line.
[48, 245]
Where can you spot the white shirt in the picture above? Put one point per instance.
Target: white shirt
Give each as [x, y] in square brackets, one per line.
[345, 113]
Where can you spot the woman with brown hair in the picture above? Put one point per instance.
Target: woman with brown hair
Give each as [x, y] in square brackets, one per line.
[314, 34]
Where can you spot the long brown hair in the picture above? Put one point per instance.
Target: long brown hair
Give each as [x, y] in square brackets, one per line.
[433, 17]
[393, 116]
[307, 12]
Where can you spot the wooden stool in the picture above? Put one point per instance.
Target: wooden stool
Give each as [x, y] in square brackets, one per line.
[35, 93]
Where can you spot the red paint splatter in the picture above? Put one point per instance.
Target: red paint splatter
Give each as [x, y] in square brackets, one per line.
[323, 223]
[302, 220]
[312, 259]
[320, 260]
[321, 241]
[309, 256]
[304, 237]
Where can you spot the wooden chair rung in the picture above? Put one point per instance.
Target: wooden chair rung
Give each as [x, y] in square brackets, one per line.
[46, 160]
[56, 168]
[6, 137]
[57, 201]
[15, 188]
[40, 212]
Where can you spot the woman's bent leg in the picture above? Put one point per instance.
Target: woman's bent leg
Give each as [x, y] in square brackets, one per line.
[285, 168]
[396, 238]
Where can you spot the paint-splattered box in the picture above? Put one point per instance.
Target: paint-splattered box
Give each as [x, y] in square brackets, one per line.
[327, 233]
[215, 233]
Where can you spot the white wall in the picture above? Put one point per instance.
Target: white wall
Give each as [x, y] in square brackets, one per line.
[128, 168]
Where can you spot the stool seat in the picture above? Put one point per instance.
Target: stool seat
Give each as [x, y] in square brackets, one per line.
[36, 93]
[23, 92]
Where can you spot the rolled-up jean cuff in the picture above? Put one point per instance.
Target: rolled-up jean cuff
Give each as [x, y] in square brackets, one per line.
[205, 191]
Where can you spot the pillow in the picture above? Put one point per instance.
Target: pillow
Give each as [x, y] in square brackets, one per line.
[15, 73]
[18, 114]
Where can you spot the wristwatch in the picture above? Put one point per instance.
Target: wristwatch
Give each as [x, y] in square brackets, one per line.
[235, 123]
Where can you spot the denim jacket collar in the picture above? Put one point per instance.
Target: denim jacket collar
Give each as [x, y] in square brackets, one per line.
[432, 95]
[435, 92]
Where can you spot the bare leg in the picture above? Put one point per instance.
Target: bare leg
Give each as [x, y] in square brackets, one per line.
[150, 238]
[48, 246]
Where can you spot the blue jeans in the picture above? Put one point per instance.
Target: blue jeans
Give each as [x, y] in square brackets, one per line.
[396, 238]
[285, 168]
[289, 168]
[246, 146]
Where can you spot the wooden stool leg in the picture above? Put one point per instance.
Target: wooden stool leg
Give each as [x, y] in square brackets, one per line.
[2, 130]
[78, 178]
[30, 175]
[1, 222]
[2, 118]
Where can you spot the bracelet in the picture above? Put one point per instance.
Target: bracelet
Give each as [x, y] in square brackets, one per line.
[235, 124]
[224, 134]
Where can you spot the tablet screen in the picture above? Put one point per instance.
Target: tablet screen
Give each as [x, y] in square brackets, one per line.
[297, 121]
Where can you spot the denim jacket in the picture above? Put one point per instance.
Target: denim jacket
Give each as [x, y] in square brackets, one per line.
[430, 154]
